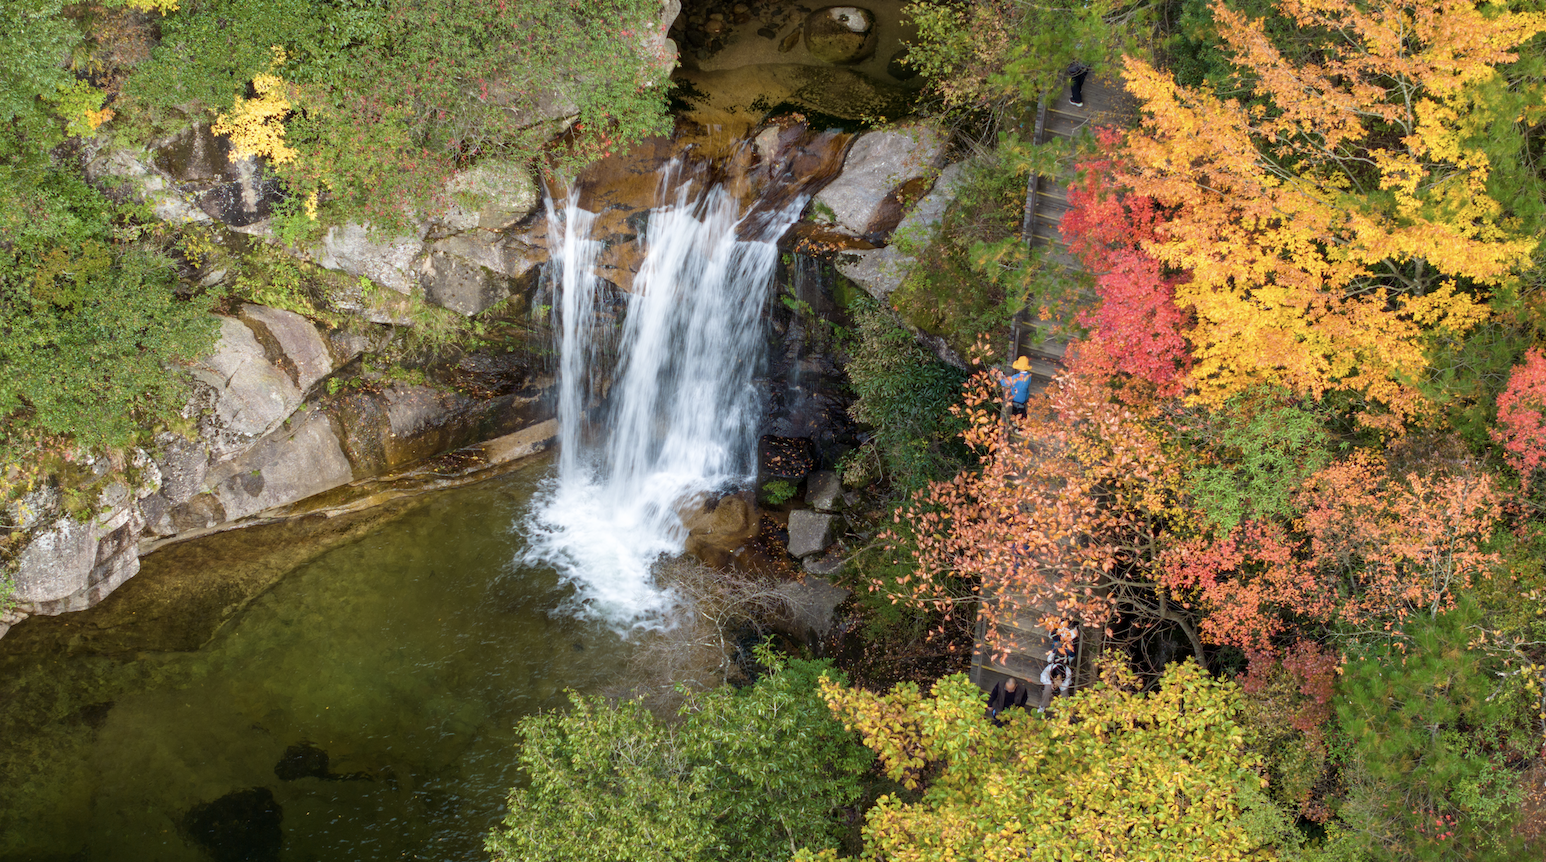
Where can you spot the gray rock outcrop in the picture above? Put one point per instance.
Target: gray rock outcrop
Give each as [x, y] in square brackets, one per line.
[281, 468]
[880, 271]
[75, 563]
[883, 174]
[252, 394]
[387, 261]
[491, 196]
[824, 491]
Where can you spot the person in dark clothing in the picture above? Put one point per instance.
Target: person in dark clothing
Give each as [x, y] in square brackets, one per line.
[1017, 386]
[1076, 75]
[1007, 694]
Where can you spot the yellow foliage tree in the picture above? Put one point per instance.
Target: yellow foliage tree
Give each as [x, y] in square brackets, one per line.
[1343, 216]
[1109, 774]
[256, 126]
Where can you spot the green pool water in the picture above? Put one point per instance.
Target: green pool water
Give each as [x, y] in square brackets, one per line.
[406, 652]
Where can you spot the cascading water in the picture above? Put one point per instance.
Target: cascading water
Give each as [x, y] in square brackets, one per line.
[682, 410]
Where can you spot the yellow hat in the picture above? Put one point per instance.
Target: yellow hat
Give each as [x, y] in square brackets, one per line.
[1022, 364]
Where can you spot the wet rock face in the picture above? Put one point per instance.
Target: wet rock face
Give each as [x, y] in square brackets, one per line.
[840, 34]
[235, 192]
[745, 62]
[716, 529]
[244, 826]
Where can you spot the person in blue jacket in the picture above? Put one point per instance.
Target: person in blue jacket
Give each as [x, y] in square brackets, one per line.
[1017, 386]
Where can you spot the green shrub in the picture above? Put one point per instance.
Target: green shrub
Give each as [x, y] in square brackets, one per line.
[389, 97]
[90, 318]
[778, 492]
[747, 774]
[950, 292]
[1257, 451]
[905, 394]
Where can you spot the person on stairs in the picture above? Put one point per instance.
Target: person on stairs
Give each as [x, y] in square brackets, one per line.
[1065, 644]
[1007, 694]
[1017, 386]
[1076, 75]
[1054, 681]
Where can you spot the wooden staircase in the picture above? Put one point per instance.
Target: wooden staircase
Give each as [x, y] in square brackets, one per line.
[1024, 643]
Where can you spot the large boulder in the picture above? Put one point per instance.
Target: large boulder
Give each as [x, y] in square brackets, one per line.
[75, 562]
[292, 343]
[824, 491]
[880, 271]
[465, 287]
[884, 172]
[840, 34]
[716, 529]
[262, 365]
[253, 394]
[288, 465]
[492, 195]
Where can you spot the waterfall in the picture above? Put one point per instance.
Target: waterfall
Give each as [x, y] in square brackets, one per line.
[681, 415]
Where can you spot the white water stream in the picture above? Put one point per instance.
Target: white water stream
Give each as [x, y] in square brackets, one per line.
[681, 415]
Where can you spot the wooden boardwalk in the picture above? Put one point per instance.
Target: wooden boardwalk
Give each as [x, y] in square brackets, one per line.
[1026, 644]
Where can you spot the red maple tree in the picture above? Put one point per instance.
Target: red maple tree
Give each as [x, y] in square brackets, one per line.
[1136, 328]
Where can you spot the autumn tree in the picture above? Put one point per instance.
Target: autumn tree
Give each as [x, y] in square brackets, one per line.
[1068, 516]
[1135, 324]
[1354, 206]
[1368, 550]
[1521, 429]
[1111, 773]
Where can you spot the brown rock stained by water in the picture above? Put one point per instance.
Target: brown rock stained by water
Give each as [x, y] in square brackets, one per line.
[716, 529]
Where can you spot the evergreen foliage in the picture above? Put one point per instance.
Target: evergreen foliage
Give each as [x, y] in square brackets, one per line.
[1427, 778]
[905, 395]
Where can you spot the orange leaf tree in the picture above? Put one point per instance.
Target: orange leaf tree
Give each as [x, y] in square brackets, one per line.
[1349, 211]
[1067, 516]
[1368, 550]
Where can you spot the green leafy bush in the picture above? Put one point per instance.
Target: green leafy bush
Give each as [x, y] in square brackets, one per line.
[90, 320]
[747, 774]
[388, 98]
[778, 492]
[905, 394]
[1257, 451]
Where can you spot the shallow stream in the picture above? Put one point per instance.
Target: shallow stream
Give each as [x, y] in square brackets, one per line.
[362, 707]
